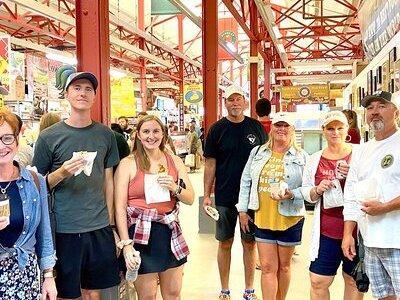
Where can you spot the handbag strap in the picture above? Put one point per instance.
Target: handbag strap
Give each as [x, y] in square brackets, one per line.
[35, 179]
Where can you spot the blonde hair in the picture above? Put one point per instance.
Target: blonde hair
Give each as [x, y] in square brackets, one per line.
[138, 149]
[48, 119]
[292, 142]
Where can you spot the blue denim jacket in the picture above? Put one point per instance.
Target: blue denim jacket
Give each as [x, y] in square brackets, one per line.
[36, 234]
[294, 162]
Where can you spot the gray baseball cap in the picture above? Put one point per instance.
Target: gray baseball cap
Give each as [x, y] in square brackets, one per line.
[382, 96]
[82, 75]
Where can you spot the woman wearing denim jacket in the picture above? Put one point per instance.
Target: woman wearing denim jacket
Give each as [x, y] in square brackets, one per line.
[270, 186]
[25, 233]
[325, 173]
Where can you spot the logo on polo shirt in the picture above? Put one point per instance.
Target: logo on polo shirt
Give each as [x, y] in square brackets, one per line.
[252, 138]
[387, 161]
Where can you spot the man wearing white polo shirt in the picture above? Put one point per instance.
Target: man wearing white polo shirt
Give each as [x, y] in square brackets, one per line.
[376, 167]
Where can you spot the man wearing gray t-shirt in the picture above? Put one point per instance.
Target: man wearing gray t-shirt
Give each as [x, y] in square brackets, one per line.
[85, 244]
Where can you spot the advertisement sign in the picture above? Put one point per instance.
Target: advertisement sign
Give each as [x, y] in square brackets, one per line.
[122, 97]
[193, 94]
[4, 69]
[17, 76]
[379, 22]
[228, 32]
[37, 69]
[314, 93]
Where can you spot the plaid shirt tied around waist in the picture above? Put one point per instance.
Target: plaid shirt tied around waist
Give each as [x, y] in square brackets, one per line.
[143, 219]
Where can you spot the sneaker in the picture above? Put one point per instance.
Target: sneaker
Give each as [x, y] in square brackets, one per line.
[224, 296]
[249, 296]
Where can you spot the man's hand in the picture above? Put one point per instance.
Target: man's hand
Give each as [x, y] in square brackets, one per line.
[349, 247]
[207, 201]
[3, 222]
[69, 167]
[49, 291]
[374, 208]
[244, 221]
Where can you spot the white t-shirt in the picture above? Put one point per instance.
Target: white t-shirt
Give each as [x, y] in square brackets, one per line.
[379, 160]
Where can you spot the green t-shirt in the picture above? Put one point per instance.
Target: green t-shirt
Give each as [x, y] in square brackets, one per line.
[80, 203]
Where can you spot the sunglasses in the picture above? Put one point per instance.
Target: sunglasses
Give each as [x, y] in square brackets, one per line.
[7, 139]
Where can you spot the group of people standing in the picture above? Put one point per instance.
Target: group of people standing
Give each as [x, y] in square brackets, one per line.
[264, 183]
[104, 205]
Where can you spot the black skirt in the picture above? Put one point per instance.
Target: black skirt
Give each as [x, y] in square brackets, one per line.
[157, 255]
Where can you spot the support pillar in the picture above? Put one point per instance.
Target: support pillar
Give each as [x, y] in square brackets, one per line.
[181, 74]
[143, 80]
[253, 53]
[93, 51]
[267, 79]
[210, 61]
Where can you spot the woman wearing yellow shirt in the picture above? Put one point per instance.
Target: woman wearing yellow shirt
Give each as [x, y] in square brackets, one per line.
[270, 186]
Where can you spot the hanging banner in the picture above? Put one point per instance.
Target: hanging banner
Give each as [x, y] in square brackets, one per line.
[193, 94]
[379, 22]
[122, 97]
[37, 69]
[4, 68]
[314, 93]
[17, 76]
[228, 32]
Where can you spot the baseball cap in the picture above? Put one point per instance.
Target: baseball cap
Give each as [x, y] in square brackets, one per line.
[282, 117]
[233, 89]
[380, 95]
[334, 116]
[82, 75]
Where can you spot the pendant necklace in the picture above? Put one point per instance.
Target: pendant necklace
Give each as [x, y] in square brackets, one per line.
[3, 192]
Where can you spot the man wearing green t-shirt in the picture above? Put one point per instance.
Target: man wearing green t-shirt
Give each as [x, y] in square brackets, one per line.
[83, 192]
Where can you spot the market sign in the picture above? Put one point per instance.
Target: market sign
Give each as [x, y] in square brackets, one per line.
[193, 94]
[123, 101]
[228, 32]
[379, 22]
[314, 93]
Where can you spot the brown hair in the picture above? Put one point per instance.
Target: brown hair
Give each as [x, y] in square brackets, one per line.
[138, 149]
[9, 117]
[351, 114]
[47, 120]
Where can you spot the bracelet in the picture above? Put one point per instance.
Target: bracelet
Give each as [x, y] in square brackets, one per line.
[49, 273]
[317, 192]
[122, 243]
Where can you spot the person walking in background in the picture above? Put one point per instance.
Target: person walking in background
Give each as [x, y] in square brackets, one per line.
[78, 156]
[372, 197]
[163, 249]
[353, 135]
[323, 182]
[227, 147]
[192, 145]
[122, 145]
[124, 123]
[26, 242]
[263, 110]
[271, 185]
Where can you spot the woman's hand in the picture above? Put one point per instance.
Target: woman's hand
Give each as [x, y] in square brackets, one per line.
[49, 291]
[130, 256]
[3, 222]
[343, 168]
[288, 195]
[244, 221]
[323, 186]
[166, 181]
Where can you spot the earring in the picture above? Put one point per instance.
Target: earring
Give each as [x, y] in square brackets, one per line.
[348, 138]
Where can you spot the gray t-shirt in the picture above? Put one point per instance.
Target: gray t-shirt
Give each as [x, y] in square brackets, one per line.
[80, 203]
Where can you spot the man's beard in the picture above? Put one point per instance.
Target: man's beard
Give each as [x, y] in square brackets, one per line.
[377, 126]
[236, 112]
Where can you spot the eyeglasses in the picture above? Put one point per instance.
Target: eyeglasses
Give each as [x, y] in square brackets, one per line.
[7, 139]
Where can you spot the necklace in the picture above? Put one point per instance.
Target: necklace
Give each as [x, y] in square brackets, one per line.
[3, 190]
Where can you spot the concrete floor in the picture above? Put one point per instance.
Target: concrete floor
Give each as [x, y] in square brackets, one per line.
[201, 279]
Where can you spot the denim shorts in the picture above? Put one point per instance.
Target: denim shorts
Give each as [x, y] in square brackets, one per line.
[330, 255]
[289, 237]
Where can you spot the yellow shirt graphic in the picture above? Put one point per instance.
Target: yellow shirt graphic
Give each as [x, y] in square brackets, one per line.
[268, 216]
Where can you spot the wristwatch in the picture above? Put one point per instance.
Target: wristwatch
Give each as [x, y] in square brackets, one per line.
[178, 190]
[49, 273]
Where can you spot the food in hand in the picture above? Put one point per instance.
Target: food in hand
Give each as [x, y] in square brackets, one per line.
[212, 212]
[161, 169]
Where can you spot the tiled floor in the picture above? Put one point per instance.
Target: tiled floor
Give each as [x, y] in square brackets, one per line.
[201, 279]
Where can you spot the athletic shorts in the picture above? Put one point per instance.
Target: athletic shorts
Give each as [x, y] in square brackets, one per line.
[330, 255]
[289, 237]
[226, 224]
[85, 260]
